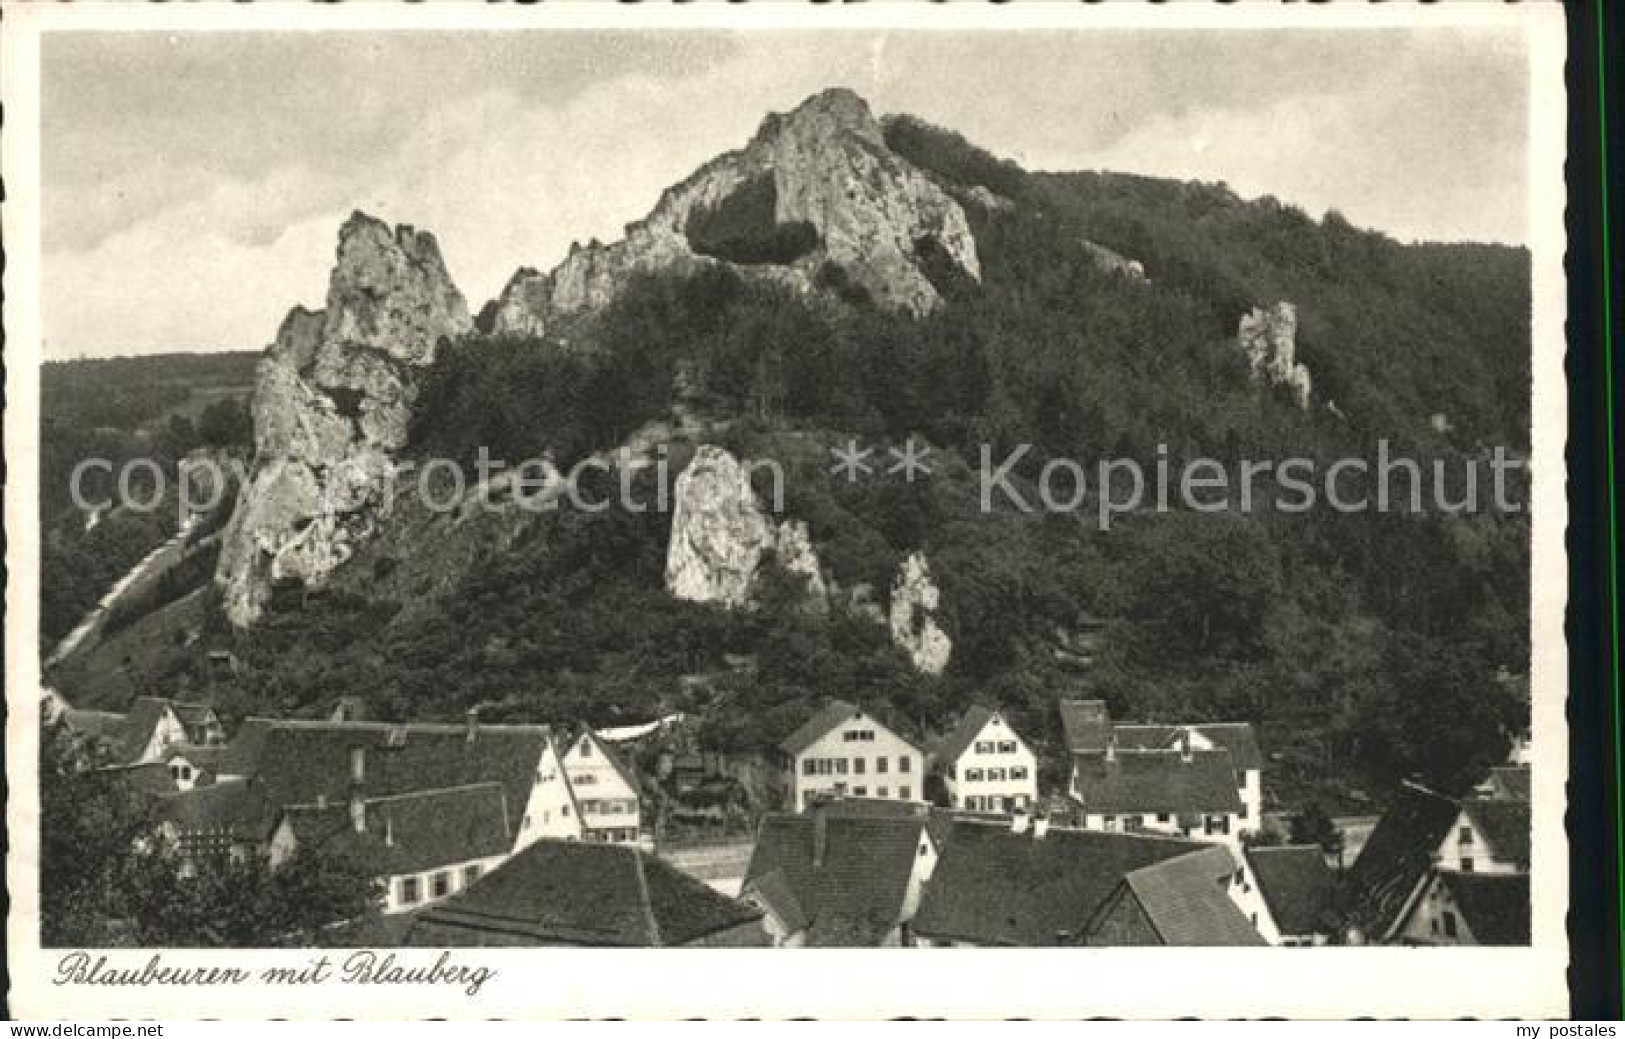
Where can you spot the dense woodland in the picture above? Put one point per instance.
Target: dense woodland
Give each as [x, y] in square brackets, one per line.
[1369, 647]
[124, 409]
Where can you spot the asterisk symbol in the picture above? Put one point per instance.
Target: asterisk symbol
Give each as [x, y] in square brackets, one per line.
[910, 460]
[850, 462]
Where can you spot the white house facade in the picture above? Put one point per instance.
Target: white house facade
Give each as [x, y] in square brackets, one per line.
[843, 750]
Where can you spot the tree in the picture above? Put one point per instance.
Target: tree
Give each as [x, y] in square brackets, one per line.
[108, 879]
[226, 423]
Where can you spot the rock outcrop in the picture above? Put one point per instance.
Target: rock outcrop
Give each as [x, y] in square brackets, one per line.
[815, 195]
[720, 537]
[1112, 262]
[915, 600]
[332, 402]
[1269, 338]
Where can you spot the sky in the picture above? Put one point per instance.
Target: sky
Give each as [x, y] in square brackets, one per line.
[193, 183]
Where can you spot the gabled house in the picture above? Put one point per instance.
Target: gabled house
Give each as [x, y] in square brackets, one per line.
[1088, 728]
[1396, 863]
[291, 762]
[1489, 836]
[832, 877]
[1183, 793]
[986, 766]
[1188, 899]
[1022, 883]
[1298, 891]
[604, 792]
[423, 846]
[576, 893]
[210, 825]
[1455, 908]
[155, 726]
[843, 750]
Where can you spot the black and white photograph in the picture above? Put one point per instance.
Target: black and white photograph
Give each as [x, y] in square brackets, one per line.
[581, 483]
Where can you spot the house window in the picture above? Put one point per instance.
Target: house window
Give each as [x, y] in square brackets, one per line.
[586, 747]
[807, 766]
[902, 763]
[996, 775]
[1162, 817]
[840, 766]
[883, 792]
[857, 766]
[1007, 746]
[903, 793]
[565, 811]
[1466, 863]
[1466, 836]
[1433, 925]
[984, 746]
[1244, 808]
[440, 885]
[973, 775]
[410, 892]
[860, 791]
[471, 874]
[1018, 773]
[1449, 924]
[973, 803]
[925, 849]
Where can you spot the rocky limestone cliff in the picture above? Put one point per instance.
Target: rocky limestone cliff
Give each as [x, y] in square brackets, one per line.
[1269, 338]
[837, 196]
[915, 600]
[332, 402]
[720, 537]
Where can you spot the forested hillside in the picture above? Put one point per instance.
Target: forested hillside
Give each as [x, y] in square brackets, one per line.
[1369, 647]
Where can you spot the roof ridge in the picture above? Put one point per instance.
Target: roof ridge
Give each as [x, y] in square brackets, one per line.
[645, 900]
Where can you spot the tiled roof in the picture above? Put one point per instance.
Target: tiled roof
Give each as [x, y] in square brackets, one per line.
[233, 807]
[937, 820]
[1510, 781]
[574, 893]
[105, 725]
[774, 889]
[1156, 781]
[1504, 823]
[1085, 723]
[848, 875]
[1239, 738]
[144, 716]
[150, 779]
[1186, 901]
[410, 833]
[833, 714]
[1495, 905]
[995, 887]
[1396, 858]
[242, 753]
[1297, 886]
[299, 762]
[971, 724]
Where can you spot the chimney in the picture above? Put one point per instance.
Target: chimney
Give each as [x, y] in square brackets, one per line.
[321, 800]
[471, 724]
[820, 836]
[1185, 746]
[358, 810]
[358, 766]
[1040, 827]
[1111, 747]
[389, 829]
[1019, 821]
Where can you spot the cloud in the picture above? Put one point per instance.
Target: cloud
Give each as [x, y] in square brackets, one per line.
[193, 189]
